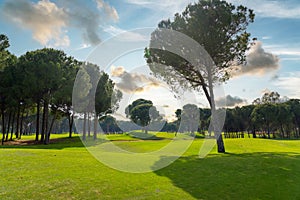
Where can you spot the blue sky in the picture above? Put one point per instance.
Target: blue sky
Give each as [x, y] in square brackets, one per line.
[77, 26]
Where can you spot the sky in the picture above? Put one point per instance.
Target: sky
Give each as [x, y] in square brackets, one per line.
[82, 28]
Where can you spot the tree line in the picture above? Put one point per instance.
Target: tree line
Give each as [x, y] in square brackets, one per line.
[269, 117]
[37, 87]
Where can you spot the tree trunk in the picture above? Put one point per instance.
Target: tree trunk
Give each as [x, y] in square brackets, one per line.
[89, 124]
[12, 126]
[21, 122]
[37, 130]
[84, 127]
[71, 120]
[8, 126]
[282, 131]
[269, 132]
[95, 126]
[50, 129]
[3, 122]
[46, 111]
[43, 122]
[216, 124]
[220, 144]
[18, 120]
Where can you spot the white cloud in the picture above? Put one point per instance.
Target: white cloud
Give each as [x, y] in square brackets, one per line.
[259, 62]
[230, 101]
[126, 35]
[266, 37]
[133, 82]
[285, 52]
[46, 21]
[290, 83]
[109, 10]
[83, 46]
[274, 8]
[50, 21]
[117, 71]
[169, 7]
[263, 8]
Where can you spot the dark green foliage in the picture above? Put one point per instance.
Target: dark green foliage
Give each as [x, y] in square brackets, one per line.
[141, 112]
[39, 84]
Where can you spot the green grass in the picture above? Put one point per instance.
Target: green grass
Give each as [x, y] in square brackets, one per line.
[252, 169]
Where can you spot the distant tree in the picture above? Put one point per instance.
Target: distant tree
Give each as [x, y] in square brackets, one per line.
[284, 118]
[205, 114]
[257, 101]
[170, 127]
[141, 112]
[264, 116]
[178, 116]
[295, 113]
[246, 117]
[220, 28]
[4, 44]
[107, 100]
[108, 124]
[270, 97]
[190, 118]
[95, 96]
[81, 96]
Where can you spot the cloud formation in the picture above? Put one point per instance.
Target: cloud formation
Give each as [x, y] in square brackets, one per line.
[259, 62]
[110, 11]
[167, 6]
[290, 83]
[230, 101]
[126, 35]
[133, 82]
[49, 21]
[44, 19]
[275, 8]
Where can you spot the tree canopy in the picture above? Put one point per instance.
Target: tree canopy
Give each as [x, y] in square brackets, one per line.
[141, 112]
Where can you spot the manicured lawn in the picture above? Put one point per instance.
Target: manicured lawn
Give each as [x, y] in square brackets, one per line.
[252, 169]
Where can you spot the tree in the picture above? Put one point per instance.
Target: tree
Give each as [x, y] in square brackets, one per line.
[109, 124]
[270, 97]
[94, 95]
[178, 116]
[190, 118]
[264, 116]
[106, 100]
[220, 28]
[205, 114]
[7, 84]
[284, 118]
[295, 111]
[44, 70]
[246, 117]
[62, 98]
[141, 112]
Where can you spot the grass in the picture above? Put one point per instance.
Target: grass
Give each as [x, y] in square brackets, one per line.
[251, 169]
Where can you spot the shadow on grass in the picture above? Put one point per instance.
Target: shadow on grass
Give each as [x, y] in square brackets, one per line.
[57, 143]
[237, 176]
[144, 136]
[76, 142]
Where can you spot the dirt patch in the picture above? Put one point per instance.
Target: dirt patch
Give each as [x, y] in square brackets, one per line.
[20, 142]
[28, 142]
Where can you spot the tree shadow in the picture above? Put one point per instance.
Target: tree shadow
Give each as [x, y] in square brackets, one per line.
[144, 136]
[236, 176]
[56, 143]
